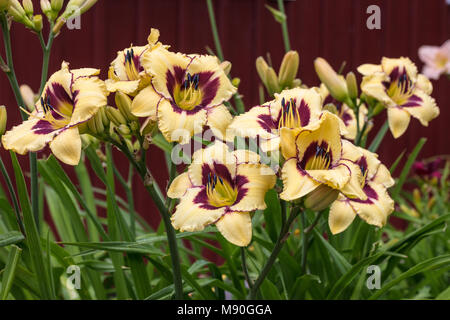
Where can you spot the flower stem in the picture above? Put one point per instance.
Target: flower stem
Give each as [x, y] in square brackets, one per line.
[284, 27]
[46, 49]
[237, 98]
[245, 268]
[170, 232]
[273, 256]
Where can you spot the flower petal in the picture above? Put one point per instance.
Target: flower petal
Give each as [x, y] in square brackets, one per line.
[215, 157]
[179, 186]
[218, 119]
[179, 125]
[296, 183]
[145, 103]
[236, 227]
[352, 189]
[372, 85]
[167, 69]
[377, 207]
[383, 177]
[127, 87]
[32, 135]
[336, 178]
[246, 156]
[389, 64]
[425, 108]
[287, 142]
[367, 69]
[218, 87]
[66, 146]
[398, 121]
[424, 84]
[341, 215]
[259, 179]
[89, 95]
[191, 216]
[255, 122]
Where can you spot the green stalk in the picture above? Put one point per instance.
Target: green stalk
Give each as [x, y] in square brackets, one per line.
[379, 137]
[284, 27]
[46, 49]
[237, 98]
[245, 268]
[273, 256]
[152, 189]
[13, 196]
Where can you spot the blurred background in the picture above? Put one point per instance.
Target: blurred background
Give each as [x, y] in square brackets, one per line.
[333, 29]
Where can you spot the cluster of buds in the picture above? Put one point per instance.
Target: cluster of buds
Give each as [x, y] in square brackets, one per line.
[286, 77]
[22, 13]
[51, 8]
[73, 9]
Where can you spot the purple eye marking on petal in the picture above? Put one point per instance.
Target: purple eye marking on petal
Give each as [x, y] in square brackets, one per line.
[315, 150]
[57, 96]
[346, 117]
[209, 87]
[413, 101]
[222, 171]
[370, 193]
[43, 127]
[240, 182]
[175, 77]
[266, 122]
[304, 112]
[202, 200]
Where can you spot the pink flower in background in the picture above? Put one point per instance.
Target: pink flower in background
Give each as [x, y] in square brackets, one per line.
[436, 59]
[429, 169]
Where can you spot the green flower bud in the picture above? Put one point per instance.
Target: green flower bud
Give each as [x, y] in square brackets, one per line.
[123, 103]
[4, 4]
[272, 81]
[352, 85]
[28, 7]
[331, 108]
[29, 98]
[235, 82]
[115, 116]
[37, 21]
[321, 197]
[57, 5]
[3, 118]
[16, 11]
[288, 69]
[335, 85]
[261, 68]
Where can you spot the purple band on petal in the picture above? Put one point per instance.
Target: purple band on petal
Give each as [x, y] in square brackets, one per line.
[304, 112]
[172, 79]
[57, 96]
[242, 191]
[413, 101]
[43, 127]
[266, 122]
[208, 86]
[370, 193]
[202, 200]
[312, 151]
[346, 117]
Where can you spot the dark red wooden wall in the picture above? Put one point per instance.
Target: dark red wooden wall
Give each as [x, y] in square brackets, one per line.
[333, 29]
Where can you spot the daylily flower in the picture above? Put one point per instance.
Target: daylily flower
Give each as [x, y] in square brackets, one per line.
[293, 109]
[126, 72]
[375, 181]
[187, 93]
[70, 98]
[404, 92]
[314, 162]
[429, 169]
[436, 59]
[221, 187]
[346, 114]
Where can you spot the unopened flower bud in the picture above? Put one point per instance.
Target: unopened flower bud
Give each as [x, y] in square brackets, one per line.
[3, 118]
[29, 98]
[417, 196]
[288, 69]
[123, 103]
[37, 21]
[321, 197]
[296, 83]
[235, 82]
[28, 7]
[261, 68]
[16, 10]
[409, 211]
[331, 108]
[148, 126]
[272, 84]
[352, 85]
[46, 6]
[87, 5]
[226, 67]
[115, 116]
[124, 130]
[4, 4]
[57, 5]
[335, 84]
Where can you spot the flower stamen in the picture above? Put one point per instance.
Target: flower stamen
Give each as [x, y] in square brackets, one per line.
[220, 193]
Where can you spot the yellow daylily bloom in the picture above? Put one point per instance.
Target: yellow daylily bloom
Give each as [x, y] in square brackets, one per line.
[314, 159]
[295, 109]
[187, 93]
[346, 114]
[376, 178]
[405, 93]
[126, 73]
[69, 98]
[223, 188]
